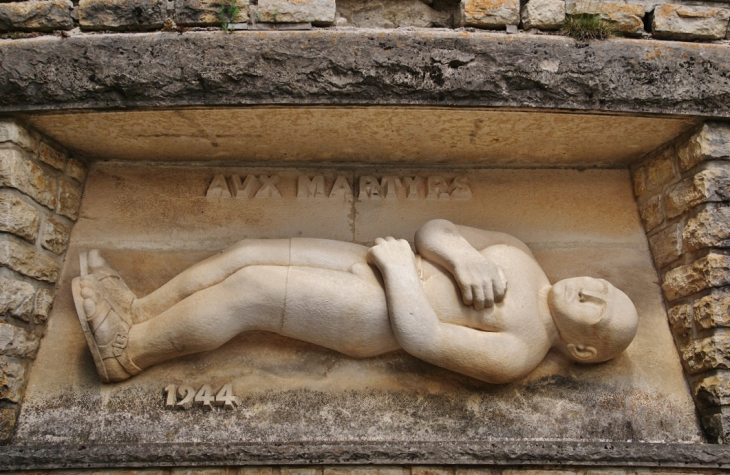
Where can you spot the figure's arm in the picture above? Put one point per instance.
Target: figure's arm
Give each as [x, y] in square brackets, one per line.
[489, 356]
[456, 248]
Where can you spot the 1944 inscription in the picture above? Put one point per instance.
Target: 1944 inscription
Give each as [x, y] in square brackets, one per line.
[203, 397]
[368, 188]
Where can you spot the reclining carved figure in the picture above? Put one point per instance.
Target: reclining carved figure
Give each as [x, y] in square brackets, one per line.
[472, 301]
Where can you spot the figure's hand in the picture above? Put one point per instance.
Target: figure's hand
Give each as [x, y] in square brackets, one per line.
[391, 253]
[482, 283]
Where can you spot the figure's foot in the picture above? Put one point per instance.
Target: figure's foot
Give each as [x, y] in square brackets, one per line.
[102, 303]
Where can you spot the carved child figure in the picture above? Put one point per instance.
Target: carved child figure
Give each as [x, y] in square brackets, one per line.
[472, 301]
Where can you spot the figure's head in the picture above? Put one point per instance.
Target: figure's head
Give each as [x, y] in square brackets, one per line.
[596, 321]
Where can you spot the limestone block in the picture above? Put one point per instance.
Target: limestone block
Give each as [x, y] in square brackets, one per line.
[712, 142]
[42, 306]
[639, 179]
[14, 133]
[432, 470]
[717, 424]
[363, 470]
[708, 353]
[712, 270]
[122, 14]
[15, 341]
[300, 471]
[544, 14]
[76, 170]
[12, 378]
[682, 22]
[489, 13]
[8, 417]
[256, 471]
[55, 235]
[196, 471]
[680, 320]
[16, 298]
[712, 311]
[660, 171]
[626, 19]
[36, 16]
[666, 245]
[712, 184]
[713, 390]
[27, 261]
[652, 212]
[51, 156]
[710, 228]
[18, 217]
[69, 199]
[205, 12]
[16, 171]
[317, 12]
[391, 14]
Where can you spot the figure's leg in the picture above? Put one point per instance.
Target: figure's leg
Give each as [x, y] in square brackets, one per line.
[250, 299]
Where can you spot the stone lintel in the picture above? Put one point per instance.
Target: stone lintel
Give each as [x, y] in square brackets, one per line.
[423, 67]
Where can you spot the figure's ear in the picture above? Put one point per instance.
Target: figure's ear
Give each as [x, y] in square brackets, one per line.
[582, 352]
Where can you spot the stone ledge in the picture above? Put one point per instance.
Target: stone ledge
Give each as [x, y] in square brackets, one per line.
[504, 453]
[373, 67]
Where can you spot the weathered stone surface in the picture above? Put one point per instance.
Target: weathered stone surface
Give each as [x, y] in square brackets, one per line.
[626, 19]
[317, 12]
[36, 16]
[122, 14]
[713, 390]
[543, 14]
[300, 471]
[55, 235]
[363, 66]
[12, 378]
[11, 132]
[660, 171]
[16, 171]
[51, 156]
[18, 217]
[712, 311]
[69, 199]
[27, 261]
[391, 14]
[712, 142]
[489, 13]
[205, 12]
[363, 470]
[652, 212]
[712, 270]
[710, 228]
[76, 170]
[434, 470]
[16, 298]
[256, 471]
[683, 22]
[8, 416]
[680, 320]
[42, 306]
[706, 354]
[197, 471]
[639, 181]
[666, 245]
[712, 184]
[15, 341]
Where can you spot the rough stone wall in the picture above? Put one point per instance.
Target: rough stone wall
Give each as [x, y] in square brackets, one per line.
[683, 192]
[40, 194]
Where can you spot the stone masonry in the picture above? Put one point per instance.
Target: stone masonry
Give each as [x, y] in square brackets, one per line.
[40, 194]
[683, 192]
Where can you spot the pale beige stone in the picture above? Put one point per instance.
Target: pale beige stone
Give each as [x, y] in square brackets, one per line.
[18, 217]
[51, 156]
[710, 228]
[626, 19]
[391, 14]
[69, 199]
[12, 379]
[200, 471]
[265, 470]
[363, 470]
[76, 170]
[12, 132]
[543, 14]
[711, 184]
[17, 171]
[666, 245]
[27, 261]
[680, 320]
[713, 310]
[489, 13]
[42, 305]
[434, 470]
[712, 270]
[660, 171]
[690, 23]
[652, 212]
[317, 12]
[300, 470]
[55, 235]
[16, 298]
[708, 353]
[15, 341]
[711, 142]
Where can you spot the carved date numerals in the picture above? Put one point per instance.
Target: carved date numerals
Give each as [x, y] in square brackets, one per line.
[184, 396]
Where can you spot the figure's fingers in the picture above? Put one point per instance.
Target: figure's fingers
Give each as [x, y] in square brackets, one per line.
[488, 295]
[478, 297]
[390, 239]
[499, 286]
[379, 241]
[466, 294]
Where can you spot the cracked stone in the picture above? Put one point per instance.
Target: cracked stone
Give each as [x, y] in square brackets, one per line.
[710, 271]
[16, 298]
[36, 16]
[689, 23]
[489, 13]
[18, 217]
[15, 341]
[316, 12]
[16, 171]
[27, 261]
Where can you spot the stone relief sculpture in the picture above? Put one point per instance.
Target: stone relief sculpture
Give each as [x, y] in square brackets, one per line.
[472, 301]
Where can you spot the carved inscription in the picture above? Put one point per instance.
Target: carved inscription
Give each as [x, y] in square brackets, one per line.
[183, 397]
[367, 187]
